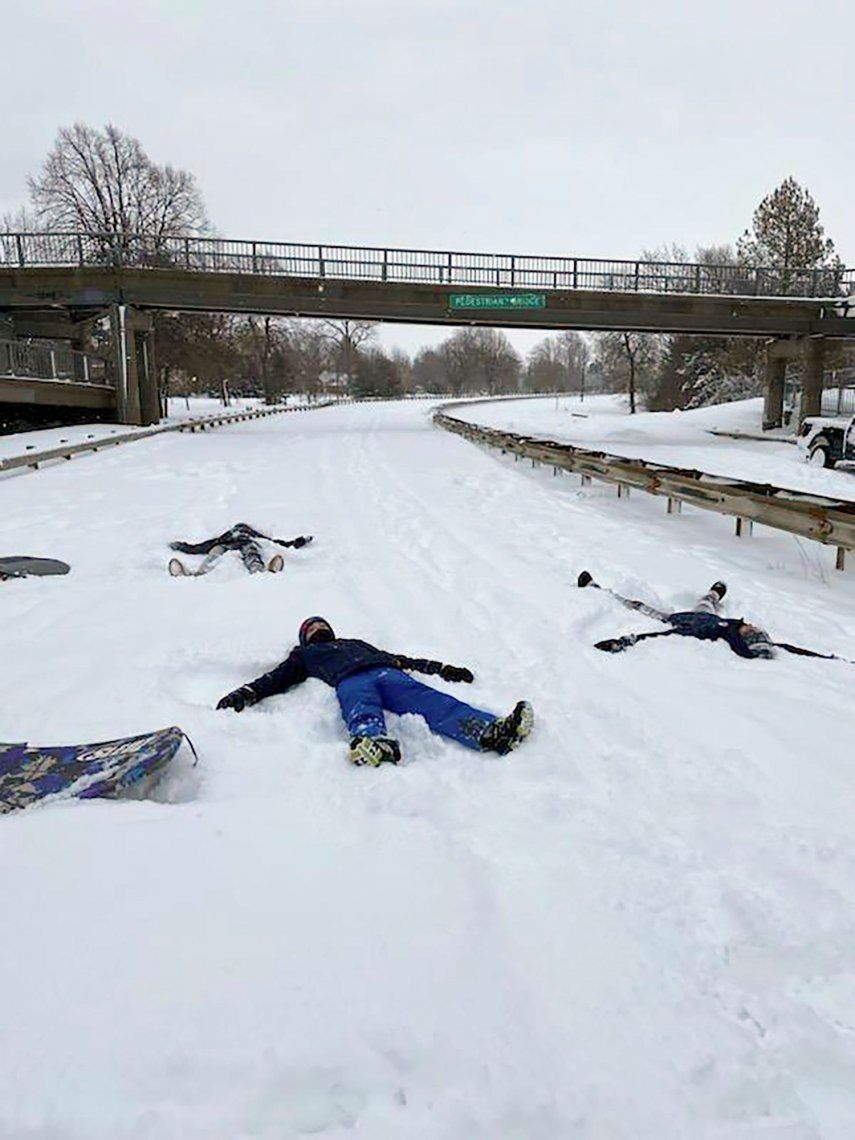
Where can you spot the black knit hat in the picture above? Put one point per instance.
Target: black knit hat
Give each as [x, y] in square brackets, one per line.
[306, 629]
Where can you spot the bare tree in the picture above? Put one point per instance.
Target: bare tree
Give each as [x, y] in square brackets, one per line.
[428, 371]
[18, 221]
[558, 363]
[104, 184]
[344, 339]
[628, 362]
[480, 360]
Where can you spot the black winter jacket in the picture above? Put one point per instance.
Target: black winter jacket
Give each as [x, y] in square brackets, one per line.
[709, 627]
[236, 537]
[333, 662]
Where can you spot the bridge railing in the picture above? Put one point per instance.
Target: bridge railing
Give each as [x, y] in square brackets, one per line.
[40, 361]
[435, 267]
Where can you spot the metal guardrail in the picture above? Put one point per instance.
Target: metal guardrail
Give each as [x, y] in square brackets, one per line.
[35, 360]
[435, 267]
[68, 451]
[825, 520]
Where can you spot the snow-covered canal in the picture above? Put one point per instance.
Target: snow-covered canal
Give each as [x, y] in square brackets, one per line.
[639, 926]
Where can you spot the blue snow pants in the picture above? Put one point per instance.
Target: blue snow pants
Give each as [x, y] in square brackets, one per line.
[365, 695]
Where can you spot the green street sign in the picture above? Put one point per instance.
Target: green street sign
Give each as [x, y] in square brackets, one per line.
[497, 300]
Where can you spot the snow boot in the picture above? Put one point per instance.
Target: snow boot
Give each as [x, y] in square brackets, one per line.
[276, 563]
[374, 750]
[177, 568]
[508, 732]
[719, 588]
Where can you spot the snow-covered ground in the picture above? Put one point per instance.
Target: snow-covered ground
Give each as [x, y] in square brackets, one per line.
[680, 439]
[640, 926]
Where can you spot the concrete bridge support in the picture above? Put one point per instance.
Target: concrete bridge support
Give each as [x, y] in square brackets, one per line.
[773, 408]
[814, 363]
[811, 351]
[136, 373]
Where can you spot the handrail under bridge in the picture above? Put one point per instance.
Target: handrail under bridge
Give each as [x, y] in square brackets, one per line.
[34, 360]
[826, 520]
[414, 266]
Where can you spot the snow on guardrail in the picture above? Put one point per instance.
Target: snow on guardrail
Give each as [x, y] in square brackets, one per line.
[826, 520]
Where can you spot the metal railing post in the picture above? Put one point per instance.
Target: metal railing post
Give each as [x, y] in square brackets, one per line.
[254, 259]
[20, 248]
[513, 271]
[321, 270]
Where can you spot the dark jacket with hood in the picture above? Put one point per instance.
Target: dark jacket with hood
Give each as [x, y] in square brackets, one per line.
[709, 627]
[332, 662]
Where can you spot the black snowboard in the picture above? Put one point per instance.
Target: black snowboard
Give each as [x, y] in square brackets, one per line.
[19, 566]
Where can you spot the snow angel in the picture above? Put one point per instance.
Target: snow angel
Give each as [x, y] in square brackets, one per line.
[368, 681]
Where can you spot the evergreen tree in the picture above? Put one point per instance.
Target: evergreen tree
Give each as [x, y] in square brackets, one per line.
[786, 235]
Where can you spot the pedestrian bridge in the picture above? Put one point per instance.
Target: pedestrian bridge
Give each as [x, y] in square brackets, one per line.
[55, 282]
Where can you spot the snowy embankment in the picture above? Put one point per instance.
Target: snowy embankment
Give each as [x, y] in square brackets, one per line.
[679, 439]
[638, 927]
[180, 410]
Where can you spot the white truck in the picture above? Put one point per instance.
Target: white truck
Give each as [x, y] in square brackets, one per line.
[829, 441]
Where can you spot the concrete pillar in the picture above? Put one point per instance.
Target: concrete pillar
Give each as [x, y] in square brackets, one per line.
[773, 408]
[153, 395]
[125, 366]
[814, 350]
[147, 373]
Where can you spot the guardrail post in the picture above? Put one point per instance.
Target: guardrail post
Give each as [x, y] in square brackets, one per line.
[674, 507]
[321, 268]
[622, 491]
[513, 270]
[744, 527]
[385, 265]
[575, 274]
[254, 259]
[20, 248]
[636, 276]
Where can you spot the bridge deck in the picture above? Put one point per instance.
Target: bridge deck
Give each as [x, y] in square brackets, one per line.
[86, 290]
[88, 272]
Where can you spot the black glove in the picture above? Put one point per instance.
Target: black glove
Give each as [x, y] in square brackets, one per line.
[456, 673]
[615, 644]
[300, 540]
[238, 700]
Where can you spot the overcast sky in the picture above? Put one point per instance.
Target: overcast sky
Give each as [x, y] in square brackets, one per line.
[521, 126]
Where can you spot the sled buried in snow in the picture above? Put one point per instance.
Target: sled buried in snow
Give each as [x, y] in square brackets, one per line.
[20, 566]
[30, 773]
